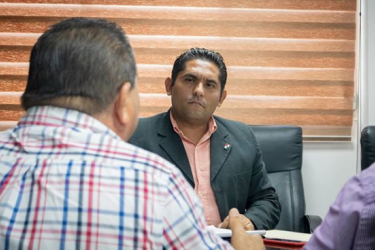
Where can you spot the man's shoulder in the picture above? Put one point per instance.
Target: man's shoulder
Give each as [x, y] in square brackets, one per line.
[231, 124]
[367, 179]
[238, 131]
[147, 130]
[150, 121]
[142, 160]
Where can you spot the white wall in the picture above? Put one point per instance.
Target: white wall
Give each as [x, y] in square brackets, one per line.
[369, 9]
[327, 166]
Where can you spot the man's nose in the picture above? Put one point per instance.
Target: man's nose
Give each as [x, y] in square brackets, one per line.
[198, 89]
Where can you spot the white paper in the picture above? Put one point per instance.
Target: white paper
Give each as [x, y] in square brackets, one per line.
[224, 233]
[286, 235]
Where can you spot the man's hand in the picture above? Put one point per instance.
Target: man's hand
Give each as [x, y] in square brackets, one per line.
[245, 222]
[240, 240]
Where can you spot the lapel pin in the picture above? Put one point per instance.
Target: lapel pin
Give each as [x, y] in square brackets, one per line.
[226, 146]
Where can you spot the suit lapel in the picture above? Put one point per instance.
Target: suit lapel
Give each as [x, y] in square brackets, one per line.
[172, 145]
[220, 149]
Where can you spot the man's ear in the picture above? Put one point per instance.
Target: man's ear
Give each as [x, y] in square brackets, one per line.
[222, 98]
[168, 86]
[122, 104]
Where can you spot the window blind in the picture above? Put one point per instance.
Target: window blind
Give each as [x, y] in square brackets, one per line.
[289, 61]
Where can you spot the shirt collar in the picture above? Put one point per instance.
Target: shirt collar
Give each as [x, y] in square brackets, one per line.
[56, 117]
[212, 127]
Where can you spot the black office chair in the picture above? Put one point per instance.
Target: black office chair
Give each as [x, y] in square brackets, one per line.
[367, 146]
[282, 153]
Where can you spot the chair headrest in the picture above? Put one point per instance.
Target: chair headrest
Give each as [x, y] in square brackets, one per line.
[367, 146]
[281, 146]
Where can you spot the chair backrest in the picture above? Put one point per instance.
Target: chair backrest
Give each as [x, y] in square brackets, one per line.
[282, 154]
[367, 146]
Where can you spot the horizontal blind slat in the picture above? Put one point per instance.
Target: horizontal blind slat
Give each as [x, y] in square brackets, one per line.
[234, 101]
[153, 85]
[217, 28]
[217, 43]
[236, 72]
[269, 4]
[175, 13]
[289, 62]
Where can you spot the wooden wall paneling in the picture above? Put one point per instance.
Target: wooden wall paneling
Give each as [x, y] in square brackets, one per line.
[289, 61]
[344, 5]
[201, 28]
[236, 51]
[176, 13]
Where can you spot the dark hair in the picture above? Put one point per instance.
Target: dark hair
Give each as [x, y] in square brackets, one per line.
[203, 54]
[80, 64]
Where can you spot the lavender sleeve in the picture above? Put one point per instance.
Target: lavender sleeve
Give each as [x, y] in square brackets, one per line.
[350, 222]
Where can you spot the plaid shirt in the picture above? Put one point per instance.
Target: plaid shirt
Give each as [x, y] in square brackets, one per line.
[68, 182]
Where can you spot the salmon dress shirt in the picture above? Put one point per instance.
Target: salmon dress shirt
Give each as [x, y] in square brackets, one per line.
[200, 163]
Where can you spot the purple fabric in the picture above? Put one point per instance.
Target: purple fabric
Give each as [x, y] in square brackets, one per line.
[350, 222]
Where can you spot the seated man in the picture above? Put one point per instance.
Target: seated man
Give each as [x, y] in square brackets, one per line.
[68, 179]
[350, 222]
[220, 158]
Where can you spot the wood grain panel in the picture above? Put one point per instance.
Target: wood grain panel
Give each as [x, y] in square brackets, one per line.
[175, 13]
[201, 28]
[7, 125]
[10, 98]
[240, 58]
[14, 53]
[215, 43]
[274, 117]
[153, 85]
[269, 116]
[14, 69]
[236, 72]
[234, 86]
[252, 58]
[234, 43]
[251, 81]
[249, 116]
[306, 53]
[328, 119]
[234, 102]
[237, 102]
[320, 132]
[269, 4]
[263, 73]
[289, 61]
[269, 73]
[10, 113]
[244, 58]
[12, 83]
[310, 132]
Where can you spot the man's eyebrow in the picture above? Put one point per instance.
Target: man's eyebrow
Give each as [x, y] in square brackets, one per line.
[190, 75]
[212, 81]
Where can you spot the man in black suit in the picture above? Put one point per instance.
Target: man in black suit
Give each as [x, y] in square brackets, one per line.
[220, 158]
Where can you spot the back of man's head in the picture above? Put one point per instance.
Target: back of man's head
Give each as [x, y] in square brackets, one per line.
[79, 64]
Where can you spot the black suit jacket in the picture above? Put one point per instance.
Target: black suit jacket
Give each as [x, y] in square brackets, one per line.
[238, 175]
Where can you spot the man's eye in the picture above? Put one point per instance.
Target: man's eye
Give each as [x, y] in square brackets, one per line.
[189, 80]
[210, 84]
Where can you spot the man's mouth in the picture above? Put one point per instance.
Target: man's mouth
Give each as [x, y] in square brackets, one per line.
[196, 102]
